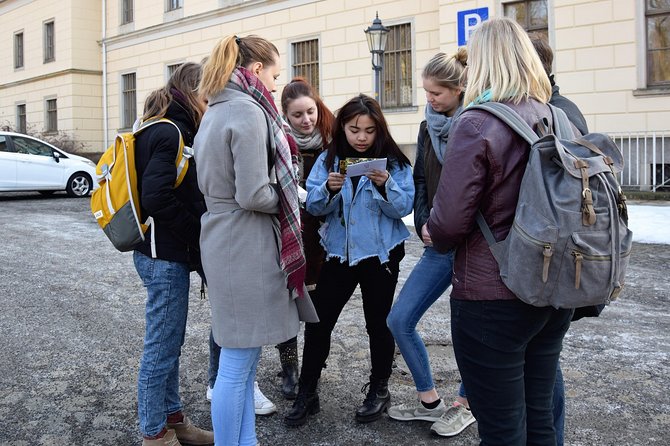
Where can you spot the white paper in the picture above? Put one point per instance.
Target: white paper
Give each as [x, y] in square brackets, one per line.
[367, 166]
[302, 194]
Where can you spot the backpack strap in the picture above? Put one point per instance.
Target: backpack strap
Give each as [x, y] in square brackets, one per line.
[509, 117]
[562, 125]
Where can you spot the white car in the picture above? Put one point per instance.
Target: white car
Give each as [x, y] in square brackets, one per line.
[29, 164]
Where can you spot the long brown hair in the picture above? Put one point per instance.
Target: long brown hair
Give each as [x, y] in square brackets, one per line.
[182, 87]
[384, 144]
[231, 52]
[299, 87]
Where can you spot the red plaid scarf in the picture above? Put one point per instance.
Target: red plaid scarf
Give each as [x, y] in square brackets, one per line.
[285, 163]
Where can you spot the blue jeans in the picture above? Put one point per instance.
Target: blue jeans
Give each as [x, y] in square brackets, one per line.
[233, 416]
[167, 285]
[428, 280]
[507, 353]
[559, 406]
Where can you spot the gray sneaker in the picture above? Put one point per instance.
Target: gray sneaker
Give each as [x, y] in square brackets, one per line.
[408, 412]
[453, 422]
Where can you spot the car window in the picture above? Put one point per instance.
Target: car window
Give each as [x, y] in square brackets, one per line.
[3, 144]
[31, 147]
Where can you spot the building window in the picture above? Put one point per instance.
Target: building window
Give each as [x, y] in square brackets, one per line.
[129, 93]
[532, 15]
[171, 5]
[21, 118]
[18, 50]
[127, 10]
[658, 42]
[52, 116]
[305, 61]
[397, 68]
[172, 68]
[49, 47]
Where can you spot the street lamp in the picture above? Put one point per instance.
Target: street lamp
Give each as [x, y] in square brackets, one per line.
[377, 35]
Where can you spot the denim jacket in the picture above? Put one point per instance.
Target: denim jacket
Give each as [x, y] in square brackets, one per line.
[367, 224]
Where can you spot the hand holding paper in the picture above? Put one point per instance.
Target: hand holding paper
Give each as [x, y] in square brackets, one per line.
[364, 166]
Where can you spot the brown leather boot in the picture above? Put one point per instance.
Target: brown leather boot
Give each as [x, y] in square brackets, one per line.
[189, 434]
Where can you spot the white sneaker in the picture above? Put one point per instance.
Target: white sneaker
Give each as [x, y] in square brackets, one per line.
[209, 393]
[453, 421]
[262, 405]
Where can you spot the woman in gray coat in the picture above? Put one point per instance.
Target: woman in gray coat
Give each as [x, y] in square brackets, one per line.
[251, 247]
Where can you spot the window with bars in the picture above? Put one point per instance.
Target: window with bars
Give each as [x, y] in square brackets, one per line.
[171, 5]
[129, 100]
[21, 118]
[18, 50]
[657, 17]
[52, 116]
[49, 45]
[532, 15]
[127, 11]
[397, 84]
[171, 69]
[305, 61]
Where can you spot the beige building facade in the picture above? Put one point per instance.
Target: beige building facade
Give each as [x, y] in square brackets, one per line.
[107, 55]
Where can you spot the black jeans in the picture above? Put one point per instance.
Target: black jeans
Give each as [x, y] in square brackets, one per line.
[507, 353]
[336, 285]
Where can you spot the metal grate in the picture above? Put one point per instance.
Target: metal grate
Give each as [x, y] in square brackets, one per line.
[129, 93]
[127, 15]
[397, 68]
[306, 61]
[646, 157]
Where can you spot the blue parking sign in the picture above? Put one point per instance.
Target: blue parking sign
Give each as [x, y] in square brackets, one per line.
[468, 21]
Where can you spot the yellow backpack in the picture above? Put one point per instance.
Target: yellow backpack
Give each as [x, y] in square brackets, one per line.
[115, 204]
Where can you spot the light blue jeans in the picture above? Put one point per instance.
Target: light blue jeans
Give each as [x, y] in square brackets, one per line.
[233, 415]
[167, 285]
[428, 280]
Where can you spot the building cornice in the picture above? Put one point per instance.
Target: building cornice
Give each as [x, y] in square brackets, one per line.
[49, 76]
[249, 8]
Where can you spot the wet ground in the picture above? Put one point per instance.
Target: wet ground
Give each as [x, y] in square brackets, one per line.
[72, 323]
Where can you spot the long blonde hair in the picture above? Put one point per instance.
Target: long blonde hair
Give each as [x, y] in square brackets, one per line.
[447, 71]
[229, 53]
[501, 58]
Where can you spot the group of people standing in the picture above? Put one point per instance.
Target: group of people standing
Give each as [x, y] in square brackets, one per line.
[270, 261]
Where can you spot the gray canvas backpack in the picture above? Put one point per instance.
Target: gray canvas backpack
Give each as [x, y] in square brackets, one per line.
[569, 244]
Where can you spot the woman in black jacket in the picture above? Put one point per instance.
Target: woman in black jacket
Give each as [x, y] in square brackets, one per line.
[168, 254]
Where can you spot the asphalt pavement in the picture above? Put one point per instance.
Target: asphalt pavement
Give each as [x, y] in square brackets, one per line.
[72, 323]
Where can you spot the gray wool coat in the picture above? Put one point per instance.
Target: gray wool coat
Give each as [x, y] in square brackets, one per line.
[251, 305]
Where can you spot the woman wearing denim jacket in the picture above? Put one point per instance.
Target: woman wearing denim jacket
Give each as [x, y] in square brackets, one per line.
[363, 236]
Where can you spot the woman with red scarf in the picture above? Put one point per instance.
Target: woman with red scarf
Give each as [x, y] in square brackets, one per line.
[252, 251]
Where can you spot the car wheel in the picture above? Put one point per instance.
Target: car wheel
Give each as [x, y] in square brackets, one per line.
[46, 193]
[79, 185]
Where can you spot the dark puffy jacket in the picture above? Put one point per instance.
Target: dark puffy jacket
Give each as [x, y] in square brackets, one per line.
[176, 212]
[482, 170]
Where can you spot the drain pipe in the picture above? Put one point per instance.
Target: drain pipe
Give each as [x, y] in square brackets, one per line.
[104, 75]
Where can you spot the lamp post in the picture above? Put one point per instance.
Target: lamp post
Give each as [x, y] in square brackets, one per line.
[377, 35]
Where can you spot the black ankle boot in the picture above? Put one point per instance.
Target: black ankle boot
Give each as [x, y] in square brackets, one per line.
[288, 356]
[305, 404]
[377, 401]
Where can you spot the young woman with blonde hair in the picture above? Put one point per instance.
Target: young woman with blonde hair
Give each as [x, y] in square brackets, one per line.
[507, 351]
[443, 82]
[252, 248]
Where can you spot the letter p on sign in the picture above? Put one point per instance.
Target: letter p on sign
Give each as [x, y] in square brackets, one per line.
[468, 21]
